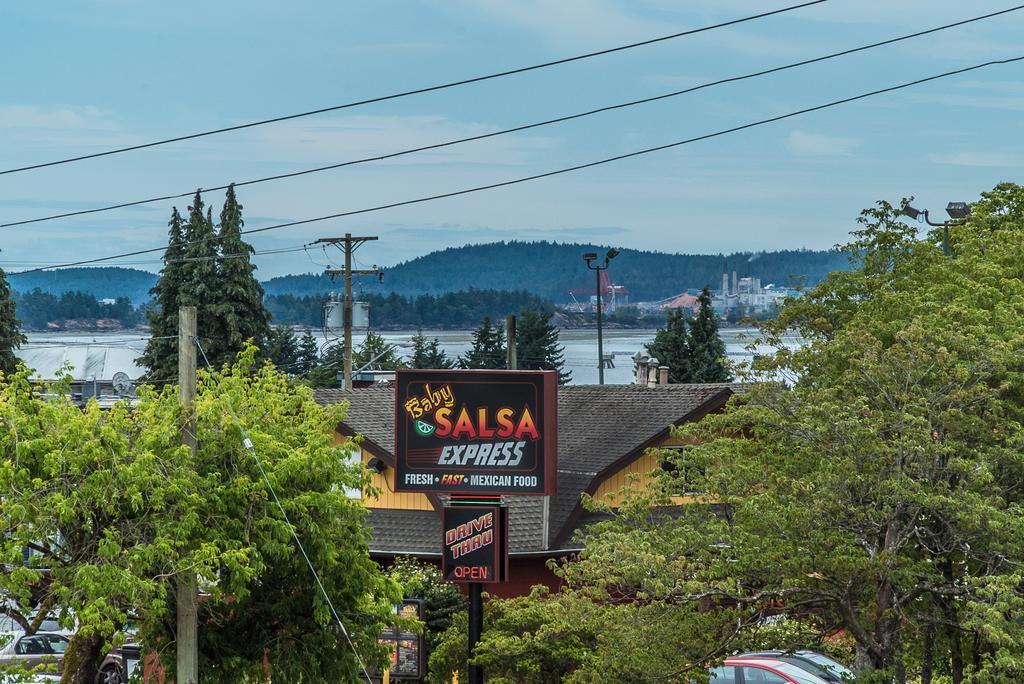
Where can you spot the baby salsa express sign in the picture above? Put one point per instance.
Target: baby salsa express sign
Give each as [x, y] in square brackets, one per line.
[476, 432]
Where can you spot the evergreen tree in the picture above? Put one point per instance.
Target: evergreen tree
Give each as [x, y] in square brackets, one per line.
[537, 344]
[488, 350]
[707, 351]
[375, 353]
[241, 312]
[200, 286]
[428, 353]
[309, 353]
[161, 354]
[671, 346]
[282, 349]
[10, 329]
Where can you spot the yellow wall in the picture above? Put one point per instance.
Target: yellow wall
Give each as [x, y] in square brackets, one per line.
[389, 499]
[383, 483]
[636, 476]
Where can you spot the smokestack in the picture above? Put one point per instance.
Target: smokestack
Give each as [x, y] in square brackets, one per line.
[662, 375]
[734, 290]
[725, 283]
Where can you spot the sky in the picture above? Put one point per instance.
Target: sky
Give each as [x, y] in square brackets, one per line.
[82, 77]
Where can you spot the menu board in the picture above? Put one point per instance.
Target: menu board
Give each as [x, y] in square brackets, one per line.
[408, 656]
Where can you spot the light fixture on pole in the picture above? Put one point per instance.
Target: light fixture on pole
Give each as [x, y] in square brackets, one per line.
[591, 259]
[958, 213]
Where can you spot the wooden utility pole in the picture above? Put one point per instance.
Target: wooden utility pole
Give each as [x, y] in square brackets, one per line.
[350, 244]
[187, 671]
[510, 338]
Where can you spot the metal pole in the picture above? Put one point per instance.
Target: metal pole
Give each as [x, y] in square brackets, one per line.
[600, 340]
[945, 238]
[510, 339]
[187, 638]
[476, 628]
[347, 381]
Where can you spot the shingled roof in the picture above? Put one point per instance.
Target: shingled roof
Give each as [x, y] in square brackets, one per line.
[601, 429]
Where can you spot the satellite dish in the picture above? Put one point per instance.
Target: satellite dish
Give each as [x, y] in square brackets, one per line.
[122, 383]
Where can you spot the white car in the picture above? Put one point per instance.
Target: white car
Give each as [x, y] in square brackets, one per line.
[33, 651]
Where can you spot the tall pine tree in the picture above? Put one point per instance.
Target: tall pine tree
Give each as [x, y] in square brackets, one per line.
[10, 328]
[537, 344]
[240, 310]
[428, 353]
[707, 351]
[161, 355]
[488, 350]
[199, 282]
[671, 346]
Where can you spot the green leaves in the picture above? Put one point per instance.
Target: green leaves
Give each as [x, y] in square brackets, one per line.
[117, 508]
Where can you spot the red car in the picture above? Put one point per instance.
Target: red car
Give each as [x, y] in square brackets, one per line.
[761, 671]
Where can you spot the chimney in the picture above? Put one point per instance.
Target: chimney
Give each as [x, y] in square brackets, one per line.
[651, 372]
[725, 284]
[662, 375]
[734, 290]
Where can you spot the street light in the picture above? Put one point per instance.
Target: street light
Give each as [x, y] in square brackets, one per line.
[591, 258]
[958, 212]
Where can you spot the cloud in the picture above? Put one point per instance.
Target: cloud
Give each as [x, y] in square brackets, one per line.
[819, 144]
[977, 158]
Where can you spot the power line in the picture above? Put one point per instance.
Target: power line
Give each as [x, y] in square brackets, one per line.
[569, 169]
[524, 127]
[281, 250]
[418, 91]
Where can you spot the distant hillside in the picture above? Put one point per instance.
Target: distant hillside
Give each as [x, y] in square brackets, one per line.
[108, 282]
[550, 270]
[545, 269]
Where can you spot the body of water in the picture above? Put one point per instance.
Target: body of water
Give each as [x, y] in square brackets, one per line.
[580, 346]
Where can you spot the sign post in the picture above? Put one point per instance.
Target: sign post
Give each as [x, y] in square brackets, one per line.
[476, 436]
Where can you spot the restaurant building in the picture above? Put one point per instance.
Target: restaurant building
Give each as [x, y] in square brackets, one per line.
[605, 437]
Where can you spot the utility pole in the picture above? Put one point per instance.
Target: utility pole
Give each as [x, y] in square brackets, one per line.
[510, 337]
[349, 245]
[186, 590]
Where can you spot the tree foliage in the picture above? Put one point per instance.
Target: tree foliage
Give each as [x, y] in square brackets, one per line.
[428, 353]
[241, 315]
[488, 349]
[10, 331]
[692, 349]
[114, 509]
[874, 494]
[537, 344]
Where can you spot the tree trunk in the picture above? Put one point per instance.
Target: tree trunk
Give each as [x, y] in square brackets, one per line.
[928, 654]
[956, 655]
[82, 659]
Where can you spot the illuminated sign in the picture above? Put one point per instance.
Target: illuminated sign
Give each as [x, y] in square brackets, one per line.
[407, 648]
[476, 432]
[475, 543]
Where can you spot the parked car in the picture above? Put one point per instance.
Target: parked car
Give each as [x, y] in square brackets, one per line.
[815, 663]
[119, 665]
[761, 671]
[35, 650]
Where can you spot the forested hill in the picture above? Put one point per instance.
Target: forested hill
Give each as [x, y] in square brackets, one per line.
[550, 270]
[108, 282]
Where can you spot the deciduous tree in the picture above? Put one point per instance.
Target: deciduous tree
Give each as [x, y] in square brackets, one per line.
[113, 508]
